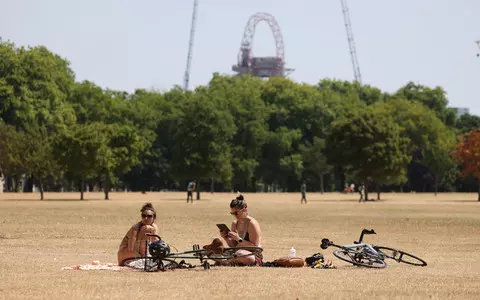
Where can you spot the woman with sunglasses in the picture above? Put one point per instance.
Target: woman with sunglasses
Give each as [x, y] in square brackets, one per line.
[133, 244]
[245, 231]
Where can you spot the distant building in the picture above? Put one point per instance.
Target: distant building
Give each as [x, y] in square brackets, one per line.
[461, 111]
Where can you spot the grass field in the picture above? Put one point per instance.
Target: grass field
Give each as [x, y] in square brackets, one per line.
[38, 238]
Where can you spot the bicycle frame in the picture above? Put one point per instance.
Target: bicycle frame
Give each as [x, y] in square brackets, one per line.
[368, 247]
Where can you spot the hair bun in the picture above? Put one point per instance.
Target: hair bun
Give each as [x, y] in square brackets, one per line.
[147, 205]
[240, 197]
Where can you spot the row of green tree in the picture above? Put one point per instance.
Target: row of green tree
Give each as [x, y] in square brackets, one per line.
[238, 133]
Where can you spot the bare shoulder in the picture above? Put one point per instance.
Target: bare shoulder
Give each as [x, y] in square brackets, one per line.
[254, 222]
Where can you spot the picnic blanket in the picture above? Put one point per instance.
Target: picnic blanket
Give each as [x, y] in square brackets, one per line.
[97, 265]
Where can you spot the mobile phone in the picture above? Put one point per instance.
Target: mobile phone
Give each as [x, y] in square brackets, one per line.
[223, 227]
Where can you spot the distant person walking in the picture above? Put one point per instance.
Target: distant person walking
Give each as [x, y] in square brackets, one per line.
[303, 189]
[361, 191]
[190, 189]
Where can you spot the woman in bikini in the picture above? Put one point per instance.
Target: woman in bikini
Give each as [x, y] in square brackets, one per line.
[133, 244]
[244, 231]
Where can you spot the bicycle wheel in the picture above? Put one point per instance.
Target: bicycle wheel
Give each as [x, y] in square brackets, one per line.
[149, 264]
[359, 258]
[400, 256]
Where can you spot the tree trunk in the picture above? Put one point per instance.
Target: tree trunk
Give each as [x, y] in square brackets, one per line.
[435, 178]
[479, 190]
[197, 188]
[82, 183]
[106, 189]
[9, 183]
[322, 190]
[15, 184]
[106, 186]
[378, 190]
[212, 186]
[41, 189]
[366, 190]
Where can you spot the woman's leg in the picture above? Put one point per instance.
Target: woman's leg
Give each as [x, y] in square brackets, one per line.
[122, 255]
[246, 259]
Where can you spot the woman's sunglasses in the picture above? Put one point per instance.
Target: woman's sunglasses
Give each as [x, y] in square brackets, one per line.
[234, 213]
[147, 216]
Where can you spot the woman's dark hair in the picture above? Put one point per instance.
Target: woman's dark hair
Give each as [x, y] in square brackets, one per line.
[149, 206]
[238, 203]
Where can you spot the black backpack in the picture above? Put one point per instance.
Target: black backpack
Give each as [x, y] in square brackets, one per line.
[314, 258]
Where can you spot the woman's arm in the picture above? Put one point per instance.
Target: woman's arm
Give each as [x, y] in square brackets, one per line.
[132, 237]
[228, 239]
[254, 233]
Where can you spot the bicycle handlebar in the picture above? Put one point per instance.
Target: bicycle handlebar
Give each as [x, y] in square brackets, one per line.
[365, 231]
[326, 242]
[155, 235]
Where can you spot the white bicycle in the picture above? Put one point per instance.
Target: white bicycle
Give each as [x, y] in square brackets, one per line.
[371, 256]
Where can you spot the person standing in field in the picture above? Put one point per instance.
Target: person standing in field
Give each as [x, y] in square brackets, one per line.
[190, 189]
[303, 189]
[361, 191]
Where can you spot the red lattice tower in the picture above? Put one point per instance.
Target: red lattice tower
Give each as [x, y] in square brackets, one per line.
[261, 66]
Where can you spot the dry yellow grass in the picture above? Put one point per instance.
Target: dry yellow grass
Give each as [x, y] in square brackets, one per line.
[38, 238]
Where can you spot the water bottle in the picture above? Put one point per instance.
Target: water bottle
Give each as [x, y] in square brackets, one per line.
[293, 252]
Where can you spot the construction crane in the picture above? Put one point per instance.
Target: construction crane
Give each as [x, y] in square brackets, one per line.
[186, 78]
[351, 42]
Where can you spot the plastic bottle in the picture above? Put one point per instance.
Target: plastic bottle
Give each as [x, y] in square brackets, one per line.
[293, 252]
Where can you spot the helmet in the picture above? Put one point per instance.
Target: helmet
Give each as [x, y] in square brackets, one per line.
[159, 249]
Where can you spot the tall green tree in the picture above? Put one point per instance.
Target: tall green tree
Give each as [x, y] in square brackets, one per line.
[203, 136]
[467, 123]
[241, 96]
[370, 147]
[11, 153]
[438, 159]
[39, 157]
[119, 154]
[315, 161]
[430, 140]
[433, 98]
[34, 84]
[77, 149]
[155, 117]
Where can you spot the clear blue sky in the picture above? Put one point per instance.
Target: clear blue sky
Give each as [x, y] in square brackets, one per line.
[125, 45]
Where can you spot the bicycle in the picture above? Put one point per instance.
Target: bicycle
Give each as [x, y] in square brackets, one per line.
[371, 256]
[162, 259]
